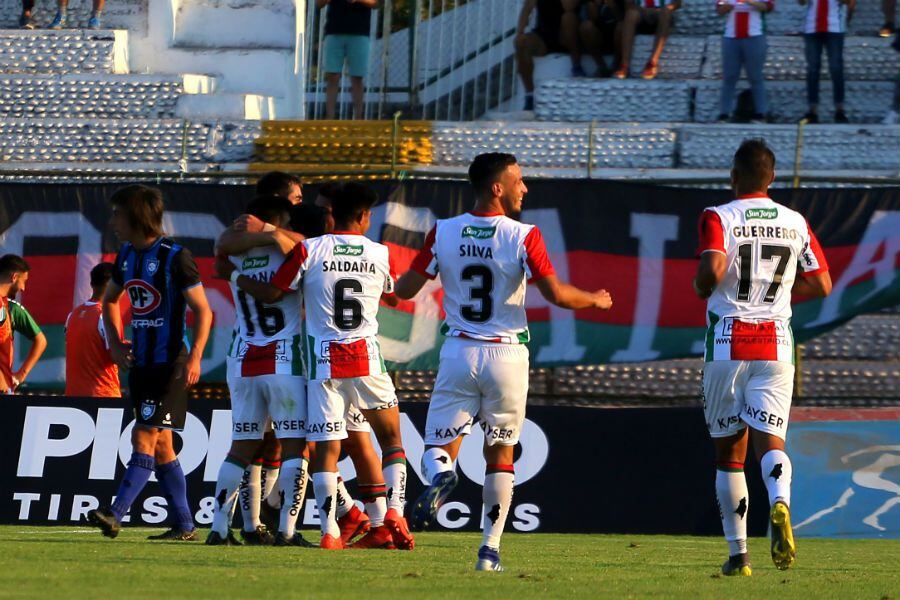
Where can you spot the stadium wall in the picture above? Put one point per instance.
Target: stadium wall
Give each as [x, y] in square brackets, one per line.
[578, 470]
[635, 240]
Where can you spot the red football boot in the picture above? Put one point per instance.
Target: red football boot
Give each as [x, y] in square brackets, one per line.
[354, 525]
[378, 538]
[396, 523]
[329, 542]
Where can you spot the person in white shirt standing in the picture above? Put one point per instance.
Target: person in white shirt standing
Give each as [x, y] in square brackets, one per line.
[751, 251]
[824, 27]
[744, 45]
[484, 258]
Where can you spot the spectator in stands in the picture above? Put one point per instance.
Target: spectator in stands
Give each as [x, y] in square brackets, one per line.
[889, 8]
[893, 116]
[645, 16]
[600, 32]
[61, 18]
[346, 39]
[743, 45]
[556, 30]
[15, 319]
[826, 23]
[278, 183]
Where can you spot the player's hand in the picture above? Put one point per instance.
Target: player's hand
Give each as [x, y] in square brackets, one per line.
[121, 354]
[190, 373]
[224, 267]
[248, 223]
[18, 378]
[602, 300]
[703, 294]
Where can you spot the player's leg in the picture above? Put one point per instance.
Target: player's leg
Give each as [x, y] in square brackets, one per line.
[503, 379]
[233, 474]
[767, 412]
[326, 427]
[455, 402]
[286, 397]
[173, 484]
[355, 523]
[377, 400]
[723, 402]
[270, 501]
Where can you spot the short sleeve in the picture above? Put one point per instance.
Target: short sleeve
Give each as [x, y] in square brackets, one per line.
[425, 262]
[289, 274]
[711, 232]
[812, 258]
[22, 321]
[184, 270]
[537, 261]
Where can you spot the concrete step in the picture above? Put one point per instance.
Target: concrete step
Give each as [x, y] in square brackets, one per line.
[220, 24]
[97, 95]
[252, 107]
[682, 57]
[865, 102]
[612, 100]
[865, 59]
[824, 146]
[66, 51]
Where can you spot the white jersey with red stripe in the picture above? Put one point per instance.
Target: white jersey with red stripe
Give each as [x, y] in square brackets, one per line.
[825, 16]
[745, 20]
[267, 338]
[765, 244]
[343, 276]
[484, 261]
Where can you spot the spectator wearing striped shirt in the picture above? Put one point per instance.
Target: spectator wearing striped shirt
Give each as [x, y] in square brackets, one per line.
[824, 28]
[744, 45]
[645, 16]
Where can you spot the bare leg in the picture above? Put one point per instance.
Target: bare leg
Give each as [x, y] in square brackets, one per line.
[332, 83]
[528, 46]
[357, 92]
[568, 31]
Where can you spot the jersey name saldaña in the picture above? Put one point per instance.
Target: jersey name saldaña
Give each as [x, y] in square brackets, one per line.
[484, 261]
[343, 276]
[267, 337]
[765, 244]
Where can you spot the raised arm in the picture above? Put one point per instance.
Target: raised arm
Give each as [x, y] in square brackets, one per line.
[233, 242]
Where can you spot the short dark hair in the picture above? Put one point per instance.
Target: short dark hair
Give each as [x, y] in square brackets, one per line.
[351, 201]
[753, 165]
[329, 189]
[144, 207]
[13, 263]
[308, 219]
[276, 183]
[268, 208]
[486, 168]
[101, 274]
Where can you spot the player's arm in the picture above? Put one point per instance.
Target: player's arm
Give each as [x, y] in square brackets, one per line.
[261, 290]
[422, 269]
[118, 350]
[815, 286]
[233, 242]
[24, 323]
[813, 279]
[711, 251]
[568, 296]
[195, 298]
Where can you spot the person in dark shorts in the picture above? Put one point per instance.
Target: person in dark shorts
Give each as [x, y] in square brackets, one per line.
[161, 280]
[600, 34]
[652, 17]
[556, 30]
[346, 41]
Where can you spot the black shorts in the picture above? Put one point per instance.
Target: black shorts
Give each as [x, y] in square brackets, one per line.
[158, 398]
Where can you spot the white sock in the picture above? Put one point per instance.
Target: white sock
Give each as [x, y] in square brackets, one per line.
[344, 499]
[434, 461]
[497, 498]
[269, 483]
[393, 465]
[777, 473]
[250, 495]
[227, 484]
[325, 485]
[374, 496]
[291, 490]
[733, 500]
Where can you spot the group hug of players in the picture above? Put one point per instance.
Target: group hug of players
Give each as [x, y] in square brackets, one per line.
[305, 365]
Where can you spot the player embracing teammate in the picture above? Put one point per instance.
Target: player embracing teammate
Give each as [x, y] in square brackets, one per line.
[484, 258]
[751, 251]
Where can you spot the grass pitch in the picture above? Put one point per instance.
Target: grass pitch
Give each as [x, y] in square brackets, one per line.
[78, 562]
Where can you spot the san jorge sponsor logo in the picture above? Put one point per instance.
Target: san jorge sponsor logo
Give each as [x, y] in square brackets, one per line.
[347, 250]
[478, 233]
[254, 262]
[761, 213]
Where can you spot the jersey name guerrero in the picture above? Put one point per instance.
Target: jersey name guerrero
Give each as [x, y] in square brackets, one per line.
[765, 245]
[267, 338]
[343, 276]
[484, 261]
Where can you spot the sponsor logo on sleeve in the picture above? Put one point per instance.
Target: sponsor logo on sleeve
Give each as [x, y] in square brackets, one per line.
[761, 213]
[479, 233]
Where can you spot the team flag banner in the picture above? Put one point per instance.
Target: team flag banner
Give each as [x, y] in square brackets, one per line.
[637, 241]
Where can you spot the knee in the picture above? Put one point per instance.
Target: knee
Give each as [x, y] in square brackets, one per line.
[521, 42]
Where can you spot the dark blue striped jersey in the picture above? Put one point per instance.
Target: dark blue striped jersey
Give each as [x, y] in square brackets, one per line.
[154, 280]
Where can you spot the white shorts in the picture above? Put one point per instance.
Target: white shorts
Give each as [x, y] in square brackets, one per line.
[480, 381]
[264, 402]
[331, 402]
[356, 421]
[737, 393]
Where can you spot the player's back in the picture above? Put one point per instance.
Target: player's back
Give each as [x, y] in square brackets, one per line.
[484, 261]
[764, 244]
[90, 370]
